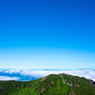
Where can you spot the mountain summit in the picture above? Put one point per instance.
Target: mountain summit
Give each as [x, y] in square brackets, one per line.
[54, 84]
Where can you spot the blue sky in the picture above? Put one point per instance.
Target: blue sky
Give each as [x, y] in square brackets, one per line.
[47, 34]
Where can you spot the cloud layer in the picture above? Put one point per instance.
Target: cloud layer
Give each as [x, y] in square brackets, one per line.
[25, 75]
[5, 78]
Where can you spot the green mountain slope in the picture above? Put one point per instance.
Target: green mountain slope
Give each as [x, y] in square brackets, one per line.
[61, 84]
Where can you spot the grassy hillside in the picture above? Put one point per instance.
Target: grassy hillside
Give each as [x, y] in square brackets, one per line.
[60, 84]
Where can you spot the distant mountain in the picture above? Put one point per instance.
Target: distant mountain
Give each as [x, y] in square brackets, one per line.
[54, 84]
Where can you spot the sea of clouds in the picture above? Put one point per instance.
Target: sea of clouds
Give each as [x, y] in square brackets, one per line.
[27, 75]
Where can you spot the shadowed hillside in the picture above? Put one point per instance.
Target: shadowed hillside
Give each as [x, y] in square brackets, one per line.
[61, 84]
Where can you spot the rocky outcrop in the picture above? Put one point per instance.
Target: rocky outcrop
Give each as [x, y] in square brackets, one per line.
[43, 79]
[72, 93]
[43, 90]
[69, 84]
[52, 83]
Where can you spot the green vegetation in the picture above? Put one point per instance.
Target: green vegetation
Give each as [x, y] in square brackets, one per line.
[61, 84]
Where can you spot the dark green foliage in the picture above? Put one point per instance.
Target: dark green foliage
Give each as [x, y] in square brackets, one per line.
[61, 84]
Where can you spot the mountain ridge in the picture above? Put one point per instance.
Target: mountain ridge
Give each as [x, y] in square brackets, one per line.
[53, 84]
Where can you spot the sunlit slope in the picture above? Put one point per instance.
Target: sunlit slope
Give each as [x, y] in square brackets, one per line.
[61, 84]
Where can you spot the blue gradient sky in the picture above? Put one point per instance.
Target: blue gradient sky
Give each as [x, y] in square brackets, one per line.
[47, 34]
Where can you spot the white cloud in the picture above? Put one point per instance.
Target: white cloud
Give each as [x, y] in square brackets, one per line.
[89, 74]
[12, 71]
[5, 78]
